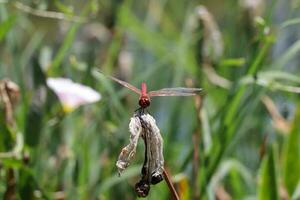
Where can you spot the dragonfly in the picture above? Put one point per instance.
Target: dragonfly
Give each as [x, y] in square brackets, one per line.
[145, 96]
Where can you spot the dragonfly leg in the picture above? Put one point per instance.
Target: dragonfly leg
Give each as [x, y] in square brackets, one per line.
[147, 111]
[140, 111]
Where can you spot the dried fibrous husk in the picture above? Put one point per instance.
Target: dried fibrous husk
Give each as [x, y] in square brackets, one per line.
[144, 126]
[125, 61]
[9, 96]
[154, 148]
[128, 152]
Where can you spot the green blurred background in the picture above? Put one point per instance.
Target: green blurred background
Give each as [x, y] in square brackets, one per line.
[240, 139]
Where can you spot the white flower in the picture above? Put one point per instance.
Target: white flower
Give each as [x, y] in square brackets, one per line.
[72, 95]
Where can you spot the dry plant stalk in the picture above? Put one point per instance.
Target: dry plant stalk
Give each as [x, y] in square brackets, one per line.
[9, 95]
[222, 194]
[278, 120]
[213, 45]
[144, 126]
[128, 152]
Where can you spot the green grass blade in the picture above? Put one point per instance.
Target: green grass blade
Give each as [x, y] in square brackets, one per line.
[268, 187]
[67, 43]
[288, 55]
[6, 26]
[114, 179]
[292, 155]
[54, 69]
[233, 107]
[290, 22]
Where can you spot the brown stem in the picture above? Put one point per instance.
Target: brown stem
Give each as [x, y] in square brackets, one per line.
[170, 185]
[262, 148]
[47, 14]
[196, 165]
[196, 142]
[10, 193]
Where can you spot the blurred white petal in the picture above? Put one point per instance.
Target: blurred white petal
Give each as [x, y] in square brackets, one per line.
[71, 94]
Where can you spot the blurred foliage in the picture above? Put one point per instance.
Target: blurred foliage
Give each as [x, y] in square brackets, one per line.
[227, 143]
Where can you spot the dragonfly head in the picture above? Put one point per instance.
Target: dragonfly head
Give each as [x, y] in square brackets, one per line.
[144, 101]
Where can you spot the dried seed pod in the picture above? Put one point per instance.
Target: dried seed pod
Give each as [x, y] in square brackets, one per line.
[156, 177]
[144, 125]
[142, 188]
[154, 145]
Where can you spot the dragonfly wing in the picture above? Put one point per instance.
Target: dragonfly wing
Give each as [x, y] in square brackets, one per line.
[179, 91]
[125, 84]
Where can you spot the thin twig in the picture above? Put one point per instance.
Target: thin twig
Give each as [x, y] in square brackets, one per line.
[170, 185]
[215, 78]
[262, 148]
[10, 192]
[279, 122]
[5, 155]
[48, 14]
[196, 138]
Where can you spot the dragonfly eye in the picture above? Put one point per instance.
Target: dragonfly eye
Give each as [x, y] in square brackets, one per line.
[144, 102]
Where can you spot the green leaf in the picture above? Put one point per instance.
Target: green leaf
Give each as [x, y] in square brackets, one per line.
[6, 26]
[279, 75]
[296, 194]
[292, 155]
[34, 120]
[63, 8]
[63, 50]
[6, 136]
[290, 22]
[35, 116]
[233, 62]
[228, 166]
[289, 54]
[235, 102]
[147, 37]
[268, 187]
[115, 179]
[274, 80]
[67, 44]
[28, 184]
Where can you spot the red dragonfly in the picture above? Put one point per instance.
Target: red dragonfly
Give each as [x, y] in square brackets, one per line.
[144, 100]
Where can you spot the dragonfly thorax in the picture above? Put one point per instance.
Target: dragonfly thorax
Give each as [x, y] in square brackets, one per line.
[144, 101]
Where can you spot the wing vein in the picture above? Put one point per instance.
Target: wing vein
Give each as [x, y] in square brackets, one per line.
[179, 91]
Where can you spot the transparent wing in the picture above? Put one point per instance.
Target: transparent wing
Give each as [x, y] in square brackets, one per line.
[179, 91]
[125, 84]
